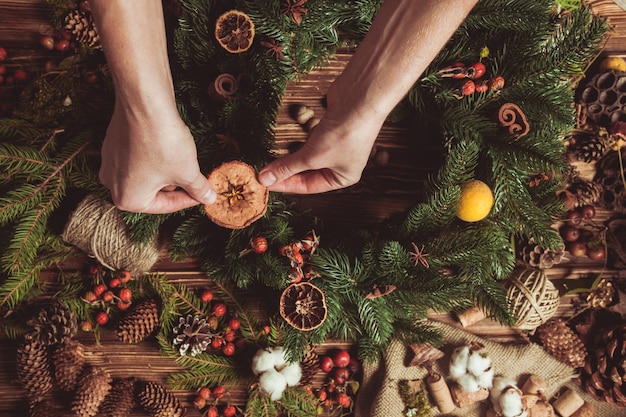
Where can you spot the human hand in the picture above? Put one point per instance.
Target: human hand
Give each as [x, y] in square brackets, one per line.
[149, 163]
[333, 156]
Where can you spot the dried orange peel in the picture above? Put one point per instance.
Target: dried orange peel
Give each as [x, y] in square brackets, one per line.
[234, 30]
[241, 199]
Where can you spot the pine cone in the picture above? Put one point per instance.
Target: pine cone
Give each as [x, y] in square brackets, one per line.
[82, 27]
[537, 257]
[310, 365]
[605, 369]
[561, 342]
[158, 401]
[54, 324]
[91, 390]
[46, 408]
[68, 362]
[33, 368]
[139, 322]
[192, 335]
[589, 146]
[121, 399]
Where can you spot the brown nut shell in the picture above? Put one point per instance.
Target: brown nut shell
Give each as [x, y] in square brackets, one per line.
[241, 199]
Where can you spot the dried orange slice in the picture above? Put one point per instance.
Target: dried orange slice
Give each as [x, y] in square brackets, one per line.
[241, 199]
[303, 306]
[234, 30]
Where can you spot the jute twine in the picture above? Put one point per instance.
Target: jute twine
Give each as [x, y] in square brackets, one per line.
[532, 297]
[379, 395]
[97, 228]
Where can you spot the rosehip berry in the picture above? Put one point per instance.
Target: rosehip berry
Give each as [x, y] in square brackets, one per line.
[124, 276]
[123, 305]
[62, 45]
[468, 88]
[216, 343]
[341, 358]
[212, 412]
[115, 282]
[90, 77]
[199, 402]
[230, 411]
[234, 324]
[90, 297]
[496, 83]
[219, 391]
[344, 400]
[47, 42]
[125, 294]
[230, 335]
[482, 86]
[99, 289]
[3, 54]
[86, 326]
[108, 296]
[258, 244]
[476, 70]
[21, 76]
[219, 309]
[94, 269]
[229, 349]
[102, 318]
[205, 392]
[341, 375]
[322, 395]
[206, 296]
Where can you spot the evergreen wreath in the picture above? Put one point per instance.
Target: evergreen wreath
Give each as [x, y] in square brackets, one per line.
[430, 258]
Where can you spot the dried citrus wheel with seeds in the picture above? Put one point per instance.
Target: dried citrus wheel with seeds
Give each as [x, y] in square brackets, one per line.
[303, 306]
[241, 199]
[234, 30]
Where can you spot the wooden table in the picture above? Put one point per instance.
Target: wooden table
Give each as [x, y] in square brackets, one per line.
[385, 187]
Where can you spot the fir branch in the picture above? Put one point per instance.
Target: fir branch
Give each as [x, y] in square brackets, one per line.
[250, 326]
[259, 404]
[296, 402]
[376, 319]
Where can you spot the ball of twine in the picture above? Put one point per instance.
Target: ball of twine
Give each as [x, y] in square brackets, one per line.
[97, 228]
[532, 298]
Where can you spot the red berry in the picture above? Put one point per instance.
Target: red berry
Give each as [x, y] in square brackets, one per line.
[86, 326]
[219, 391]
[354, 366]
[326, 364]
[115, 282]
[90, 77]
[94, 269]
[476, 70]
[588, 211]
[47, 42]
[205, 392]
[285, 250]
[230, 411]
[216, 343]
[468, 88]
[108, 296]
[62, 45]
[124, 276]
[322, 395]
[576, 248]
[199, 402]
[341, 358]
[496, 83]
[596, 252]
[573, 217]
[344, 400]
[90, 297]
[234, 324]
[482, 86]
[3, 54]
[570, 233]
[102, 318]
[341, 375]
[206, 296]
[125, 294]
[123, 305]
[230, 335]
[21, 76]
[219, 309]
[229, 349]
[212, 412]
[99, 289]
[258, 244]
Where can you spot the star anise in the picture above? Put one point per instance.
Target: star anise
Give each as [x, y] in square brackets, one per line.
[419, 257]
[274, 48]
[234, 194]
[295, 8]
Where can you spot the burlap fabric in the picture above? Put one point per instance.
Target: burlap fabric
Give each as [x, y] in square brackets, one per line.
[379, 395]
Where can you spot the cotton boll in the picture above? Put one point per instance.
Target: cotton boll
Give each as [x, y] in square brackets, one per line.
[468, 383]
[485, 380]
[458, 362]
[273, 383]
[262, 361]
[292, 374]
[511, 402]
[478, 362]
[500, 383]
[279, 357]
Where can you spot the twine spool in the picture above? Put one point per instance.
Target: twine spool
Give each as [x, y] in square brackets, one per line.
[568, 403]
[532, 297]
[441, 393]
[97, 228]
[223, 87]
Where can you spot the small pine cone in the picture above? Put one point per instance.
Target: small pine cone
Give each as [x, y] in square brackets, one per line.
[92, 388]
[82, 27]
[139, 322]
[561, 342]
[192, 335]
[53, 324]
[68, 362]
[121, 399]
[605, 370]
[537, 257]
[158, 401]
[33, 368]
[310, 365]
[46, 408]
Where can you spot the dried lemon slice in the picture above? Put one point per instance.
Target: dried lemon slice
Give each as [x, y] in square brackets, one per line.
[234, 30]
[241, 199]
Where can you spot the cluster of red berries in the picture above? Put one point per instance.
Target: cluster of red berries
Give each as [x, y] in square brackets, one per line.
[340, 386]
[225, 336]
[103, 295]
[210, 398]
[298, 253]
[473, 78]
[582, 236]
[9, 80]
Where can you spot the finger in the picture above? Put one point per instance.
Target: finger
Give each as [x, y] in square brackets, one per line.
[170, 202]
[200, 190]
[279, 170]
[308, 182]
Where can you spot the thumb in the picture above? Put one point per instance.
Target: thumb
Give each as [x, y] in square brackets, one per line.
[200, 190]
[283, 168]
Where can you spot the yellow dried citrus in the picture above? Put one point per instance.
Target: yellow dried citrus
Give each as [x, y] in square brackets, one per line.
[613, 63]
[476, 201]
[234, 31]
